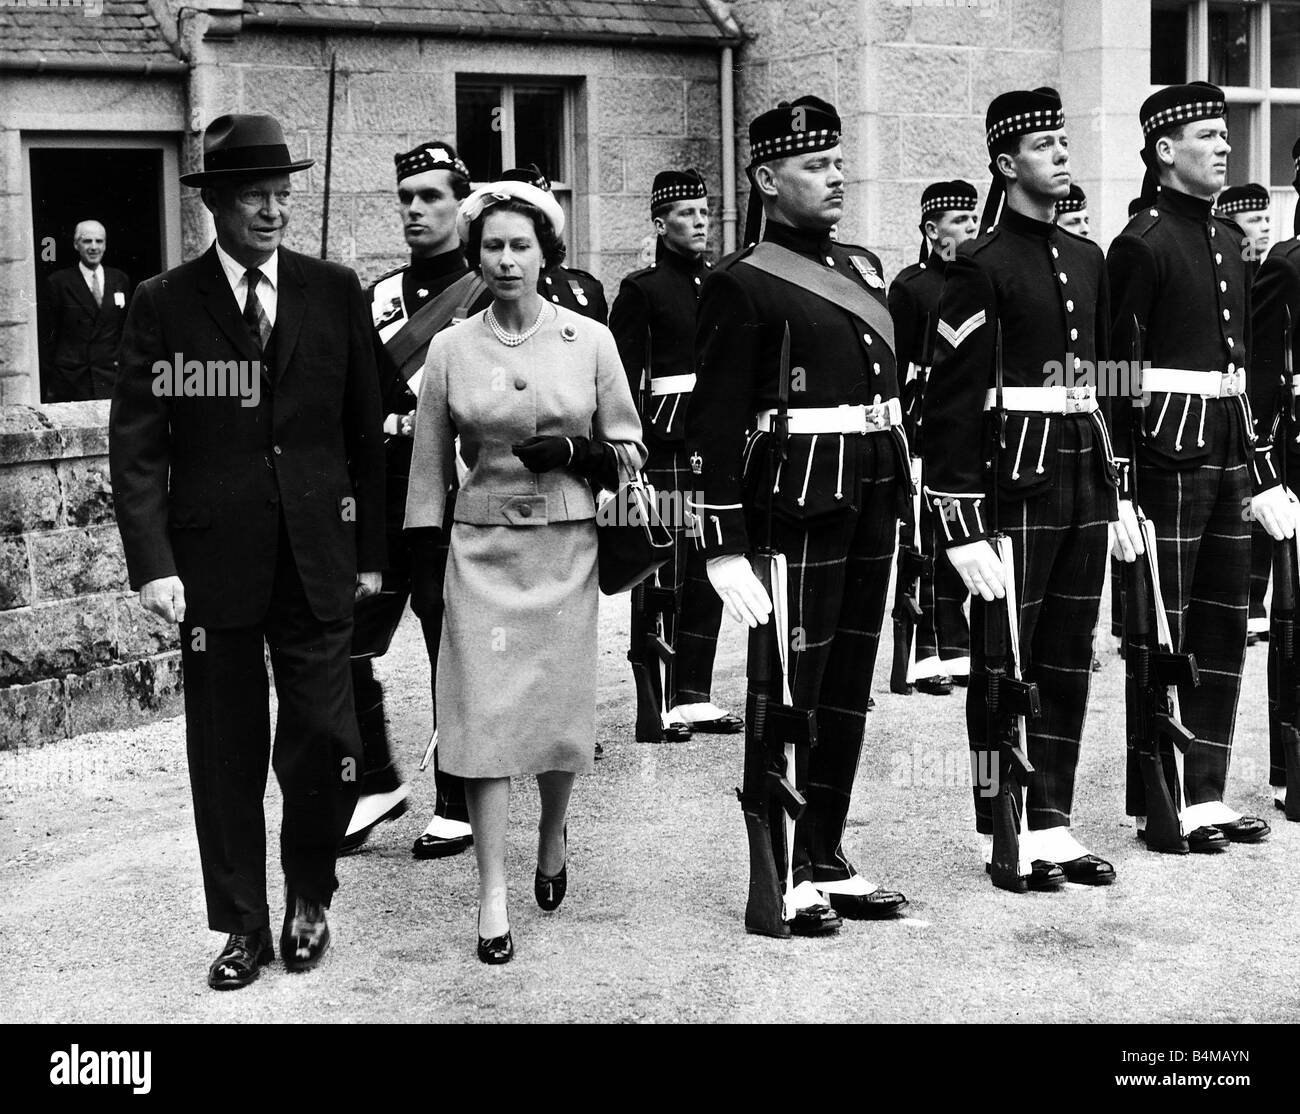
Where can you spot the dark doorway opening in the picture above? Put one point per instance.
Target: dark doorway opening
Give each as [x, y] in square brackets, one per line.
[118, 186]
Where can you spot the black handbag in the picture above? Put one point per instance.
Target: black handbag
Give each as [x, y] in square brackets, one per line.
[631, 538]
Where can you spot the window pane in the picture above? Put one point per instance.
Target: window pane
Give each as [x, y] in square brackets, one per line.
[1286, 130]
[1241, 162]
[539, 129]
[1230, 34]
[478, 130]
[1169, 29]
[1285, 45]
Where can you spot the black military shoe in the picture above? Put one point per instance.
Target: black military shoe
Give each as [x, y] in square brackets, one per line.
[1043, 877]
[1249, 829]
[1207, 840]
[1088, 870]
[934, 686]
[815, 920]
[878, 906]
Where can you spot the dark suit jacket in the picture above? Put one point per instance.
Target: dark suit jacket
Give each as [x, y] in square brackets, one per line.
[79, 339]
[200, 483]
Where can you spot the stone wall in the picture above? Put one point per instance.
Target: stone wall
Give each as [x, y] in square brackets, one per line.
[77, 652]
[636, 111]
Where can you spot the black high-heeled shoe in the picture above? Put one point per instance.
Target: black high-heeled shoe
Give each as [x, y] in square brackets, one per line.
[550, 891]
[496, 949]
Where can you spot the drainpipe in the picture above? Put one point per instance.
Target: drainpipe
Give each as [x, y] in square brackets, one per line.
[726, 86]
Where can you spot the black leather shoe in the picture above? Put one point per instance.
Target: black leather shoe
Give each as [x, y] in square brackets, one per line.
[1206, 841]
[1279, 805]
[241, 959]
[676, 733]
[1043, 876]
[1249, 829]
[723, 725]
[815, 920]
[934, 686]
[496, 949]
[1088, 870]
[550, 889]
[305, 936]
[878, 906]
[1252, 638]
[436, 847]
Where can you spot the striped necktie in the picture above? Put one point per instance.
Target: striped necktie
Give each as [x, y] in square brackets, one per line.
[96, 291]
[259, 325]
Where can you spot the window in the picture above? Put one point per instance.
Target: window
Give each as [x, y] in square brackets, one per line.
[1251, 48]
[505, 123]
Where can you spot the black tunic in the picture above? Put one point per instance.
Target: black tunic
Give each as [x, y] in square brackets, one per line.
[575, 290]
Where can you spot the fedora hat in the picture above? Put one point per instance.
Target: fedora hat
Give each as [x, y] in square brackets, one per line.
[242, 146]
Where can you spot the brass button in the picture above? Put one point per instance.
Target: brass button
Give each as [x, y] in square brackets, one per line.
[276, 450]
[525, 511]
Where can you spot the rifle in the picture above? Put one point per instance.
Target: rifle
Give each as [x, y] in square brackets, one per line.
[654, 611]
[1284, 704]
[774, 728]
[912, 563]
[1154, 730]
[1008, 699]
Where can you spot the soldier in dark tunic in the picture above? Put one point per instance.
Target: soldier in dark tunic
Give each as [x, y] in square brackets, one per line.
[1276, 291]
[565, 286]
[1045, 290]
[836, 496]
[1180, 272]
[1072, 212]
[1248, 206]
[656, 305]
[431, 181]
[948, 220]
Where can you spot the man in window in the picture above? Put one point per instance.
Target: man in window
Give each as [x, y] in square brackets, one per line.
[408, 306]
[81, 315]
[1178, 272]
[653, 322]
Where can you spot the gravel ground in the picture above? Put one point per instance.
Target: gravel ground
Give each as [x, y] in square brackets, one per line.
[100, 869]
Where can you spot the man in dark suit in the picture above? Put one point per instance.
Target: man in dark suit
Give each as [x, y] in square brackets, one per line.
[249, 490]
[81, 313]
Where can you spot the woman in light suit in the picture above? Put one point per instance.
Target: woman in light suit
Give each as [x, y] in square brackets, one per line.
[538, 397]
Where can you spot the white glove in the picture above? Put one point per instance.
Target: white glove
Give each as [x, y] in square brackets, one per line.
[1125, 536]
[980, 570]
[739, 589]
[1275, 510]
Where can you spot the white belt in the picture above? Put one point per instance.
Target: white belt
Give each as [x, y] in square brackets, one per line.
[672, 384]
[838, 419]
[1295, 385]
[1045, 400]
[1206, 384]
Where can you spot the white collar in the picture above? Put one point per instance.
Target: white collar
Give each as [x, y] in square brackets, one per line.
[86, 270]
[235, 270]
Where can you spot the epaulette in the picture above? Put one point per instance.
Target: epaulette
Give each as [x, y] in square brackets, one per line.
[634, 275]
[582, 274]
[729, 261]
[851, 247]
[387, 275]
[1082, 239]
[1141, 222]
[982, 241]
[1233, 226]
[911, 271]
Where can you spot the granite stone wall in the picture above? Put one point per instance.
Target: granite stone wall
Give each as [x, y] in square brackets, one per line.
[77, 652]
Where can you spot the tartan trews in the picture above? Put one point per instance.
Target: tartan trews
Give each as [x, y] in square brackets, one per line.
[943, 634]
[1203, 538]
[1059, 539]
[839, 575]
[699, 608]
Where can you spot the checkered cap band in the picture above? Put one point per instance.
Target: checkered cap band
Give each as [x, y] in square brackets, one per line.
[1243, 205]
[1183, 114]
[680, 192]
[814, 139]
[948, 204]
[1022, 123]
[1072, 205]
[430, 156]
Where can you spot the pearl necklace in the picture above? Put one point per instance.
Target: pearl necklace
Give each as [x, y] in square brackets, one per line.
[513, 340]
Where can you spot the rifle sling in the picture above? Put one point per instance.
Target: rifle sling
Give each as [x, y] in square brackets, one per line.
[781, 263]
[409, 345]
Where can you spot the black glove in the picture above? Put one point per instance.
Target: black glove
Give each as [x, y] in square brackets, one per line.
[544, 454]
[428, 549]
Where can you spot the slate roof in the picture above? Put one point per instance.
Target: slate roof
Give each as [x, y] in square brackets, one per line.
[114, 33]
[698, 22]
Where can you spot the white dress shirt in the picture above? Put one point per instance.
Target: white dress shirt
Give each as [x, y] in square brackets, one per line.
[267, 289]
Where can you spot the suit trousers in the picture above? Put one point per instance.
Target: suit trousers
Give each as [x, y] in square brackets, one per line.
[839, 572]
[1059, 540]
[1203, 552]
[699, 608]
[316, 755]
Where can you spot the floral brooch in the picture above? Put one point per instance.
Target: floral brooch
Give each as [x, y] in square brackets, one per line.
[569, 333]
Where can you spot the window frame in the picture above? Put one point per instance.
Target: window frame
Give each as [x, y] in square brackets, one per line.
[562, 187]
